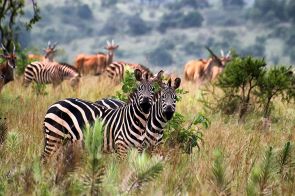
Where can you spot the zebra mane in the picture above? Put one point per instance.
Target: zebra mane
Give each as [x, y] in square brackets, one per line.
[69, 66]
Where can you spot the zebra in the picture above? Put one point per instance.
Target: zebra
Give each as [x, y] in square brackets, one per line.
[162, 111]
[51, 72]
[123, 126]
[115, 71]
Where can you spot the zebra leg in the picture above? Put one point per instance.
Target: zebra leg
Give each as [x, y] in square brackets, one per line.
[26, 82]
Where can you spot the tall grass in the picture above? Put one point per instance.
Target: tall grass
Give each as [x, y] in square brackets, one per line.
[244, 164]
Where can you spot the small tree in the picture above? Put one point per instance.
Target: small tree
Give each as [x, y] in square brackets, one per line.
[239, 78]
[276, 81]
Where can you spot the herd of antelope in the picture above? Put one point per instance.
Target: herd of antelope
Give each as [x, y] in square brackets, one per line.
[44, 69]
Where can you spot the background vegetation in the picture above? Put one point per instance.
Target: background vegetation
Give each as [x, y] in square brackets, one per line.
[175, 31]
[205, 150]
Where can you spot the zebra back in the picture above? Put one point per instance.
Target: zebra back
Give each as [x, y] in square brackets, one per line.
[115, 70]
[50, 72]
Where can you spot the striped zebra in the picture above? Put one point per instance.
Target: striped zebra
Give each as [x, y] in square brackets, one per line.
[162, 111]
[123, 126]
[115, 71]
[47, 72]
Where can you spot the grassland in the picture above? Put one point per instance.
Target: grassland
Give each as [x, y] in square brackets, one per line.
[233, 159]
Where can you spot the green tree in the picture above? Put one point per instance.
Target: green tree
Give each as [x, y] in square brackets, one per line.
[10, 12]
[276, 81]
[239, 78]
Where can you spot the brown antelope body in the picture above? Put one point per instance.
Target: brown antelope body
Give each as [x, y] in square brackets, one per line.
[96, 64]
[50, 53]
[7, 67]
[202, 70]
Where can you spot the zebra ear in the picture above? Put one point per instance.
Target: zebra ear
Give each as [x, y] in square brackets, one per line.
[138, 75]
[177, 82]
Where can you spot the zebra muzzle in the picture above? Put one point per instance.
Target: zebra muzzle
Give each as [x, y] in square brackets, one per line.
[145, 105]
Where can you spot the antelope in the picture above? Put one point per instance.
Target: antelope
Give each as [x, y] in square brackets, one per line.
[203, 70]
[96, 64]
[50, 53]
[7, 67]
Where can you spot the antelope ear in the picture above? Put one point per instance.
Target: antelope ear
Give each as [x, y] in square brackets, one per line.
[2, 56]
[138, 75]
[177, 82]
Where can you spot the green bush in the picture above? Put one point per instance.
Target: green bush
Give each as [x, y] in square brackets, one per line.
[239, 79]
[275, 82]
[177, 134]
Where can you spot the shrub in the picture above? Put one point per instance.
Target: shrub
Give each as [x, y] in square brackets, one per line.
[276, 81]
[177, 134]
[239, 79]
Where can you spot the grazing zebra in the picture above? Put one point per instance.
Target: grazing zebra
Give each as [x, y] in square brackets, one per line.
[123, 126]
[55, 73]
[115, 71]
[162, 111]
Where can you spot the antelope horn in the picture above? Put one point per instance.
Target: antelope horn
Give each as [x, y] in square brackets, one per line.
[49, 44]
[13, 48]
[3, 47]
[113, 43]
[227, 55]
[211, 52]
[222, 53]
[108, 43]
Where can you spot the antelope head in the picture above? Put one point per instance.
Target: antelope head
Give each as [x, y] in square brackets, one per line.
[225, 58]
[111, 46]
[9, 57]
[215, 59]
[50, 51]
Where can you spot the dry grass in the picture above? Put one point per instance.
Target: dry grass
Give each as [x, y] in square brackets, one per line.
[243, 146]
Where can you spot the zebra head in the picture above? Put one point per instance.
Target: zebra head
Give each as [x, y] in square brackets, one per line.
[168, 98]
[9, 57]
[145, 90]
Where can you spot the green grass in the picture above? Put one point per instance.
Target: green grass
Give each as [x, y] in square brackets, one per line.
[233, 159]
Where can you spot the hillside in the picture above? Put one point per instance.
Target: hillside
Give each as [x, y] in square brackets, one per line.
[155, 36]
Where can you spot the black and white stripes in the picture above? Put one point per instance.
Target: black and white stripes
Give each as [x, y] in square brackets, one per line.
[50, 72]
[115, 71]
[123, 126]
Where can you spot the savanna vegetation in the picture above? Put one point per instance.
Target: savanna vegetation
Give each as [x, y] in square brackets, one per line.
[232, 137]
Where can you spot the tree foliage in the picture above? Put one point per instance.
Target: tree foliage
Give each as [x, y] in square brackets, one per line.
[274, 82]
[10, 13]
[239, 78]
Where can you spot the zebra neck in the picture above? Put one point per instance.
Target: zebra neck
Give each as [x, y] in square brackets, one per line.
[156, 123]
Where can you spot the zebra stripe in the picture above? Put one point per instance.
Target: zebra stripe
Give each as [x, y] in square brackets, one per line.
[115, 71]
[123, 126]
[162, 111]
[46, 73]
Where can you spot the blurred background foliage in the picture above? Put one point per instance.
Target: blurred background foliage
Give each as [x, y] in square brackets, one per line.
[167, 32]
